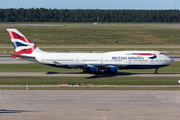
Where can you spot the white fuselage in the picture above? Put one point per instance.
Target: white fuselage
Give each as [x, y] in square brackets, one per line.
[120, 59]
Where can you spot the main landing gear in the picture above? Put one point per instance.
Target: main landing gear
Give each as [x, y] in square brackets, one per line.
[99, 72]
[156, 72]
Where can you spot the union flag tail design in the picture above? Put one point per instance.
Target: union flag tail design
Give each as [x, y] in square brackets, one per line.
[22, 45]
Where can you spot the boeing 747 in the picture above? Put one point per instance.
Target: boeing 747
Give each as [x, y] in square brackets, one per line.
[108, 62]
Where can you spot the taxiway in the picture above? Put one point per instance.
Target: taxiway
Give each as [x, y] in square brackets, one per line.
[81, 74]
[89, 105]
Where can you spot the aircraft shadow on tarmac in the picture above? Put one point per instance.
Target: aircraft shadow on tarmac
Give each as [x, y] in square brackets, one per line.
[132, 74]
[93, 75]
[50, 73]
[111, 75]
[2, 111]
[121, 73]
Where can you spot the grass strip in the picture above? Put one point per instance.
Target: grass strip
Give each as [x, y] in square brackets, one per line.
[90, 88]
[89, 80]
[119, 34]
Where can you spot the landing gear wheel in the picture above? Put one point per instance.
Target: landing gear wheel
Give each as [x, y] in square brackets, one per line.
[99, 71]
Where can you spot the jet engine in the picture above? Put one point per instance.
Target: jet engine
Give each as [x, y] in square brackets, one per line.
[90, 69]
[112, 70]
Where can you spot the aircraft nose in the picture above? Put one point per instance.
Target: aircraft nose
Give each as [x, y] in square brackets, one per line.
[171, 60]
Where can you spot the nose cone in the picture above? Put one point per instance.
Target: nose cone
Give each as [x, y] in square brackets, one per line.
[170, 60]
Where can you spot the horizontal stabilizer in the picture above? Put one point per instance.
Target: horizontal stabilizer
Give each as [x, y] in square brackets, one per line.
[17, 55]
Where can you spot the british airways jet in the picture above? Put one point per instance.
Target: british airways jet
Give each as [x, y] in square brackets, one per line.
[108, 62]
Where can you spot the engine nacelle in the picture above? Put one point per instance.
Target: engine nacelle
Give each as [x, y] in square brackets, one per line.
[90, 69]
[112, 70]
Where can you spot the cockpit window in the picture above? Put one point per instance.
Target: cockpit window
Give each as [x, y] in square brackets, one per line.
[161, 53]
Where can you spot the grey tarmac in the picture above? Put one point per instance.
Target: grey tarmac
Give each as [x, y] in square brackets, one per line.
[99, 86]
[81, 74]
[7, 59]
[89, 105]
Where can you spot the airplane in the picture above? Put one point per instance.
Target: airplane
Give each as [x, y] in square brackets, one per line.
[95, 63]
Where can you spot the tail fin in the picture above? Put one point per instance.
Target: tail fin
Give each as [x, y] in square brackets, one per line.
[22, 45]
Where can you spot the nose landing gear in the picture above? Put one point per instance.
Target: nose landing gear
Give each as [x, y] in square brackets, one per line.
[156, 72]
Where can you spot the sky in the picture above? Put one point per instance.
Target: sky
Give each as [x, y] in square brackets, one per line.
[92, 4]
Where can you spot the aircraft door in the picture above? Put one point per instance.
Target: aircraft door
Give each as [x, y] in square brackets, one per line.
[43, 60]
[130, 61]
[77, 60]
[101, 60]
[152, 62]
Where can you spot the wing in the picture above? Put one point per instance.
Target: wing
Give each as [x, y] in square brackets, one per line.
[89, 65]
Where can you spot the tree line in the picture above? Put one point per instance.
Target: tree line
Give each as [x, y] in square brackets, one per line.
[91, 15]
